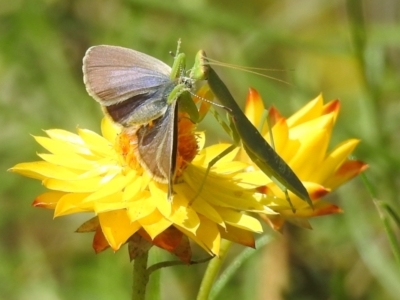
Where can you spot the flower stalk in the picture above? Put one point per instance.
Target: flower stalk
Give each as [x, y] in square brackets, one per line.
[213, 268]
[140, 276]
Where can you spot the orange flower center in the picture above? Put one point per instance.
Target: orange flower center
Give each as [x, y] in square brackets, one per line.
[187, 145]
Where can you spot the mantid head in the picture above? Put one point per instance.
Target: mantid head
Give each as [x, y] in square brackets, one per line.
[200, 67]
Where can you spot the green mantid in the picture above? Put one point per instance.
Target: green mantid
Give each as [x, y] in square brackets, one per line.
[242, 130]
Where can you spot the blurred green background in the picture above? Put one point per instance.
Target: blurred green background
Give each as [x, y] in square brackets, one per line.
[344, 49]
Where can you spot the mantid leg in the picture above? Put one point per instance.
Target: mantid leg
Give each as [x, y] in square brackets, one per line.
[209, 166]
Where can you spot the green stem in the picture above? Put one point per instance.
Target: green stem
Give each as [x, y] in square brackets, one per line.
[234, 266]
[212, 271]
[385, 211]
[140, 277]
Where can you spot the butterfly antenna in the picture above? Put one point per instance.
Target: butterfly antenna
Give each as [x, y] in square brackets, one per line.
[251, 70]
[209, 101]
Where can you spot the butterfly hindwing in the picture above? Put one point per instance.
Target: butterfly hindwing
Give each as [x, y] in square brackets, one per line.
[157, 146]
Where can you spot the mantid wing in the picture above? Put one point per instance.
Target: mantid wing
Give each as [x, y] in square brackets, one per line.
[255, 145]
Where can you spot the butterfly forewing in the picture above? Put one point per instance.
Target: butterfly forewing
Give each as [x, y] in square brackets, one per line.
[143, 108]
[130, 85]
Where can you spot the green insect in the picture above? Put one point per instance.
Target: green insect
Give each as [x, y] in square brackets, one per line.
[257, 148]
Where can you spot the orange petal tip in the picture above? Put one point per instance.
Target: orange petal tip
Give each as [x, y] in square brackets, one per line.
[332, 106]
[99, 241]
[353, 167]
[263, 190]
[253, 96]
[319, 193]
[39, 203]
[275, 116]
[328, 210]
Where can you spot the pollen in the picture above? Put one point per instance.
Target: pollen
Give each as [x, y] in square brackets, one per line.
[187, 143]
[126, 145]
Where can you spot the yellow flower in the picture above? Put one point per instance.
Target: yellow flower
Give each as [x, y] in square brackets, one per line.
[302, 140]
[87, 172]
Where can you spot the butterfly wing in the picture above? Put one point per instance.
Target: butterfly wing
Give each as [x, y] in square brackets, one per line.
[130, 85]
[157, 147]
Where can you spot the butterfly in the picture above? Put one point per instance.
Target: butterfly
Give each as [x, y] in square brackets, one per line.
[134, 89]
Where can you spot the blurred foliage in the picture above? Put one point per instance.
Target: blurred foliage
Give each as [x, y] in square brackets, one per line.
[344, 49]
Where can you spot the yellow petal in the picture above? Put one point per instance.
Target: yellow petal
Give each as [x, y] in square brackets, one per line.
[183, 215]
[209, 234]
[347, 171]
[304, 130]
[159, 198]
[142, 208]
[48, 200]
[220, 189]
[238, 236]
[96, 143]
[133, 187]
[254, 107]
[209, 153]
[109, 203]
[117, 227]
[60, 147]
[314, 148]
[199, 242]
[65, 136]
[230, 167]
[334, 160]
[99, 169]
[240, 220]
[72, 203]
[71, 160]
[77, 186]
[109, 129]
[308, 112]
[155, 228]
[117, 184]
[208, 211]
[42, 169]
[199, 205]
[280, 133]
